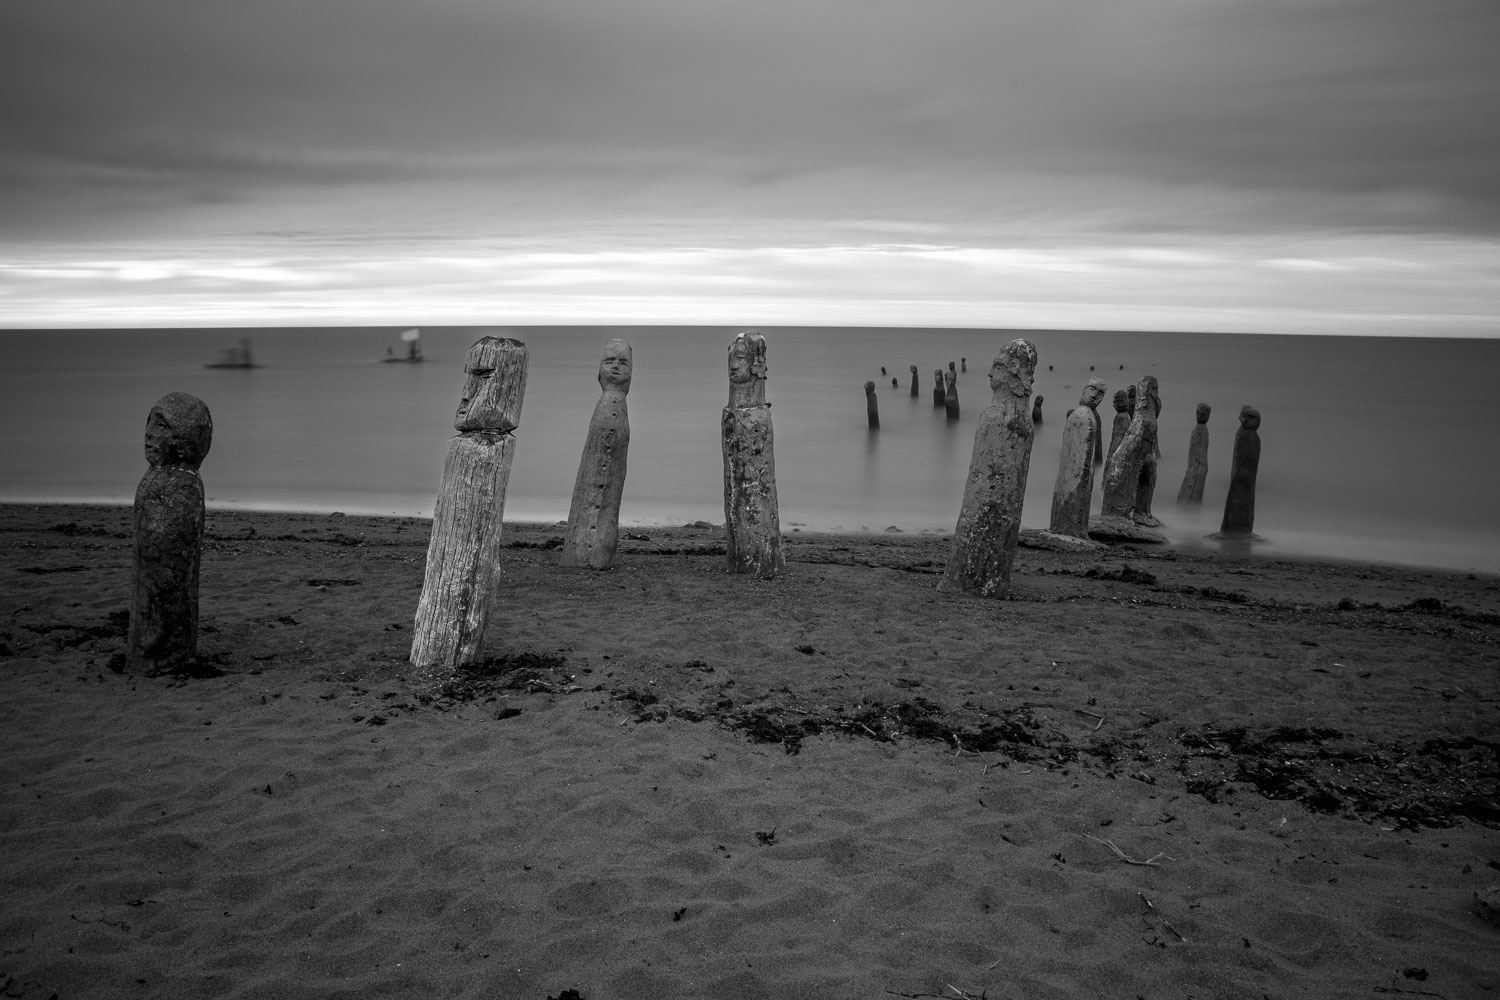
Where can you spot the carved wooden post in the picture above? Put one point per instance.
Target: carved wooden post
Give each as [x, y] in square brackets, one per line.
[594, 514]
[1130, 473]
[1122, 418]
[168, 529]
[1036, 410]
[872, 406]
[752, 520]
[1075, 471]
[463, 555]
[1196, 474]
[950, 394]
[938, 392]
[964, 363]
[1239, 505]
[989, 524]
[914, 382]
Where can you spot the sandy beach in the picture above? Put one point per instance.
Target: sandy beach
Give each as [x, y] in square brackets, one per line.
[1149, 774]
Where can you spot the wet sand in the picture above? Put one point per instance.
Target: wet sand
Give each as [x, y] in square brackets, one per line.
[1149, 774]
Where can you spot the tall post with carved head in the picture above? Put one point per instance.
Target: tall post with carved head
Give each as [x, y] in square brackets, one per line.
[989, 523]
[463, 566]
[1074, 489]
[1190, 493]
[168, 537]
[752, 519]
[1239, 504]
[593, 530]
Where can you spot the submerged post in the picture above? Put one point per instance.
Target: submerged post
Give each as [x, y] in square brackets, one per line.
[463, 564]
[1075, 470]
[989, 523]
[872, 406]
[168, 536]
[1036, 410]
[938, 392]
[1196, 474]
[950, 394]
[752, 524]
[1239, 505]
[594, 513]
[914, 382]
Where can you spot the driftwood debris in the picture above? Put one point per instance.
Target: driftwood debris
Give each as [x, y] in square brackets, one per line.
[168, 537]
[463, 553]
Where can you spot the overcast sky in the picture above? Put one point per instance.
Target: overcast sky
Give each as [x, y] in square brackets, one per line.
[1262, 165]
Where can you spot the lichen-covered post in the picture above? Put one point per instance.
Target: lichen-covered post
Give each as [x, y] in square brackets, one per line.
[938, 392]
[872, 406]
[989, 523]
[463, 554]
[1075, 471]
[594, 514]
[1122, 419]
[950, 394]
[168, 535]
[1239, 505]
[1196, 474]
[1130, 473]
[752, 519]
[914, 392]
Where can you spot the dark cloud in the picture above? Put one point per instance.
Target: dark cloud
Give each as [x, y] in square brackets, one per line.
[1351, 113]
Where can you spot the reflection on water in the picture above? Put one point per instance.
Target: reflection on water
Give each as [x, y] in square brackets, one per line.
[325, 425]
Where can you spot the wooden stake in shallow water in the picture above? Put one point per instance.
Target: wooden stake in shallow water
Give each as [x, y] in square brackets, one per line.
[594, 514]
[913, 381]
[872, 406]
[1239, 505]
[989, 523]
[1196, 473]
[463, 554]
[1075, 469]
[938, 392]
[752, 520]
[950, 394]
[168, 535]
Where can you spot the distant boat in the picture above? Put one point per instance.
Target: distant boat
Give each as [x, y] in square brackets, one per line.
[413, 350]
[234, 357]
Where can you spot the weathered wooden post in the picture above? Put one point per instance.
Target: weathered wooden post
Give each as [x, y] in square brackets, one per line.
[1239, 505]
[1196, 474]
[594, 514]
[950, 394]
[168, 536]
[938, 392]
[964, 363]
[752, 520]
[914, 392]
[872, 406]
[1036, 410]
[463, 554]
[1075, 471]
[1121, 423]
[989, 524]
[1130, 473]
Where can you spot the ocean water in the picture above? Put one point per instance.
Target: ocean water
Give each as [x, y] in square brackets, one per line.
[1372, 448]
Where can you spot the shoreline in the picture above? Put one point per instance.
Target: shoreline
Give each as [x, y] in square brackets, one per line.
[1147, 773]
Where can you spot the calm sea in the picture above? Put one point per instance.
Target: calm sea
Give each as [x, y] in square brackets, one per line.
[1372, 448]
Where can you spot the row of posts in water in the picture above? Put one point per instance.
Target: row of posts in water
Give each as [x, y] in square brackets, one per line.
[462, 567]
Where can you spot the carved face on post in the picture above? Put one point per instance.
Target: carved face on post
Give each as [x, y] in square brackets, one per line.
[1014, 369]
[1249, 418]
[747, 370]
[617, 366]
[179, 431]
[487, 401]
[1203, 411]
[1122, 401]
[1147, 397]
[1093, 393]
